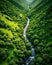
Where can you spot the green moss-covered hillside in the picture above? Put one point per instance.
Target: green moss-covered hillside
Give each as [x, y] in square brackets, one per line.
[13, 48]
[40, 32]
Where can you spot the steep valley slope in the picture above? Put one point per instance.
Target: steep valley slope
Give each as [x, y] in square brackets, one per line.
[40, 32]
[13, 47]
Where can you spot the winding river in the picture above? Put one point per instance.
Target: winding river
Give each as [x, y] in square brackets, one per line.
[32, 57]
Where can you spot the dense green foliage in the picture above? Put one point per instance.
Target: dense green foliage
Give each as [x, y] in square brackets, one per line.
[13, 48]
[40, 32]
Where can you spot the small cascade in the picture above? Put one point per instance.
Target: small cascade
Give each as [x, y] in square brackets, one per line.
[32, 57]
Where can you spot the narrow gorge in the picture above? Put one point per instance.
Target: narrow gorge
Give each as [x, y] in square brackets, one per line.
[25, 32]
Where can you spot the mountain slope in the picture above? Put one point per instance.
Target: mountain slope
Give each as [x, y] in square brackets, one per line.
[13, 48]
[39, 32]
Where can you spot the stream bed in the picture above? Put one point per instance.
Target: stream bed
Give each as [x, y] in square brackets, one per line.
[32, 57]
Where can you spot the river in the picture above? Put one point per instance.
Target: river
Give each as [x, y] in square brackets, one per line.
[32, 57]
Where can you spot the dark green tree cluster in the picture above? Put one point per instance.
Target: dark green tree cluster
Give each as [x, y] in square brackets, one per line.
[40, 33]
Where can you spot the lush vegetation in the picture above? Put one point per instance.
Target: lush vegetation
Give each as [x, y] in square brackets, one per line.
[40, 32]
[13, 48]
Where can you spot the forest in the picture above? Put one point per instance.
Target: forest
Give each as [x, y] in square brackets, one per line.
[14, 15]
